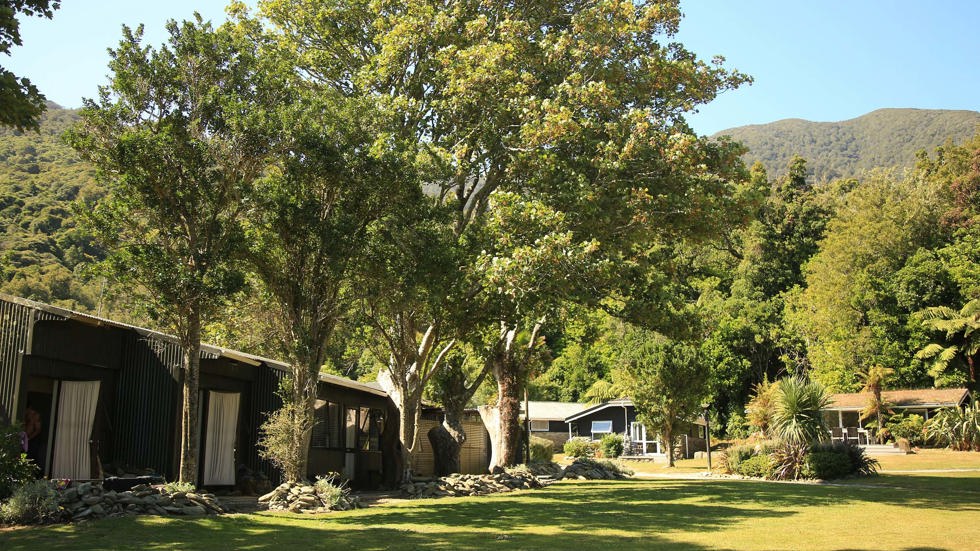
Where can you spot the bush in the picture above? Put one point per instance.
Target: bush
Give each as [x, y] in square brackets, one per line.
[31, 503]
[858, 463]
[329, 489]
[958, 428]
[542, 450]
[733, 457]
[579, 447]
[15, 468]
[757, 466]
[909, 426]
[178, 487]
[789, 460]
[737, 427]
[611, 445]
[826, 465]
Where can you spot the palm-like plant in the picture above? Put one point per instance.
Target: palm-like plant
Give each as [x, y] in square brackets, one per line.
[798, 411]
[958, 428]
[874, 383]
[962, 344]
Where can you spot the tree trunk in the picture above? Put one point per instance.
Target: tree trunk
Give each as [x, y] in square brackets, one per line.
[491, 420]
[304, 390]
[190, 430]
[445, 451]
[509, 411]
[669, 444]
[973, 375]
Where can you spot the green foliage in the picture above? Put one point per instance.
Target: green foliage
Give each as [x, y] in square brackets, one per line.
[907, 425]
[798, 411]
[761, 409]
[961, 343]
[32, 502]
[542, 450]
[826, 465]
[15, 468]
[333, 491]
[580, 447]
[886, 138]
[21, 103]
[757, 466]
[277, 435]
[611, 445]
[177, 486]
[734, 455]
[958, 428]
[737, 426]
[666, 380]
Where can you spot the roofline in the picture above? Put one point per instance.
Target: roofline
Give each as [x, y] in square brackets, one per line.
[618, 402]
[237, 355]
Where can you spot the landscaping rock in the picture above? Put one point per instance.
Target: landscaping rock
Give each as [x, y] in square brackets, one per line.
[590, 469]
[303, 498]
[89, 501]
[471, 484]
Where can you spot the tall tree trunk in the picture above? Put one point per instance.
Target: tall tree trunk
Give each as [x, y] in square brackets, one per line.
[406, 396]
[190, 429]
[509, 367]
[669, 443]
[445, 450]
[303, 393]
[973, 375]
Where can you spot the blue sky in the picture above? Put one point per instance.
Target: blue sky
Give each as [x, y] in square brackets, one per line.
[827, 61]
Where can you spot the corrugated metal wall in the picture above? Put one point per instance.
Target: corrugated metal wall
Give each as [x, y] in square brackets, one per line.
[264, 400]
[15, 325]
[146, 395]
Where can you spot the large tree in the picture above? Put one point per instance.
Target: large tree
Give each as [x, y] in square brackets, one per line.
[176, 140]
[575, 105]
[21, 103]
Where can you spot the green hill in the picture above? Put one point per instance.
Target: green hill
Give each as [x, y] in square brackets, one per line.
[40, 246]
[882, 138]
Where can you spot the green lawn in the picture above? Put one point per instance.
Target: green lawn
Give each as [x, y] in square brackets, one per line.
[940, 513]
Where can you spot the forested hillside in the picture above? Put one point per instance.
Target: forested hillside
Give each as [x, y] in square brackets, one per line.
[882, 138]
[41, 247]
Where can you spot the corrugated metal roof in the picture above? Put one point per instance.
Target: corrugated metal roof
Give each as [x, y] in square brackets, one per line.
[552, 411]
[908, 398]
[207, 350]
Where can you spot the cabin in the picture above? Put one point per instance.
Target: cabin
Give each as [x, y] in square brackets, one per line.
[101, 398]
[844, 410]
[619, 417]
[547, 419]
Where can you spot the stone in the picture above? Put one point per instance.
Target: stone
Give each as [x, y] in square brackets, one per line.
[97, 510]
[84, 488]
[91, 500]
[194, 511]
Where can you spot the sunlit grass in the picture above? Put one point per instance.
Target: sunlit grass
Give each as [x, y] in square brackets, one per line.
[936, 512]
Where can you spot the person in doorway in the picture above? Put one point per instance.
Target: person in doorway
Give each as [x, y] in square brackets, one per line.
[33, 430]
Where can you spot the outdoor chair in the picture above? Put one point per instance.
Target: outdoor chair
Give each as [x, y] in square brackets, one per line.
[836, 433]
[853, 434]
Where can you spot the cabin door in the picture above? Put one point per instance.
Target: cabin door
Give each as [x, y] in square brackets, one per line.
[219, 442]
[77, 403]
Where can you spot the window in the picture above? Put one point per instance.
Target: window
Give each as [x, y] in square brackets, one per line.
[321, 425]
[364, 430]
[326, 418]
[539, 426]
[601, 427]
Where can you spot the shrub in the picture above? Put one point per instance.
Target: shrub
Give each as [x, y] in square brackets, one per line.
[733, 457]
[957, 428]
[32, 502]
[757, 466]
[737, 426]
[789, 460]
[579, 447]
[826, 465]
[611, 445]
[858, 462]
[178, 487]
[909, 426]
[329, 489]
[15, 468]
[542, 450]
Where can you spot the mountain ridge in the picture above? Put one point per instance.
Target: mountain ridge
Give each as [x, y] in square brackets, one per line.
[883, 138]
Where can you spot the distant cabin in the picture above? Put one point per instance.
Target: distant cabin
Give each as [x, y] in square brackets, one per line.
[845, 409]
[619, 417]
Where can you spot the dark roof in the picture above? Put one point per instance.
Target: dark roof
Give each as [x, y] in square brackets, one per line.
[618, 402]
[206, 349]
[908, 398]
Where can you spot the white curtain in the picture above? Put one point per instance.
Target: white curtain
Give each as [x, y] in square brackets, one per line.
[73, 430]
[219, 447]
